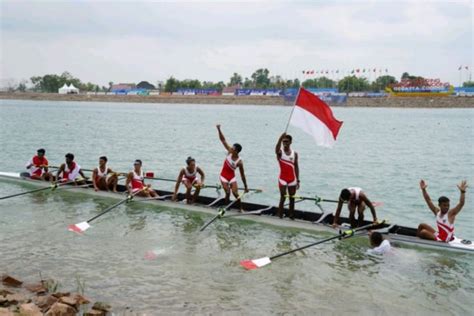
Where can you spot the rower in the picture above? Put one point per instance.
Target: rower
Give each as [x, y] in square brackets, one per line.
[231, 163]
[135, 182]
[103, 178]
[70, 170]
[355, 199]
[289, 173]
[190, 176]
[38, 166]
[379, 244]
[444, 216]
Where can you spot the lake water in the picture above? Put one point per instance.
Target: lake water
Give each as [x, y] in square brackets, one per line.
[384, 151]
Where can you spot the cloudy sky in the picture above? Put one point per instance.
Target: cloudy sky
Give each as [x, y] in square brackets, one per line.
[130, 41]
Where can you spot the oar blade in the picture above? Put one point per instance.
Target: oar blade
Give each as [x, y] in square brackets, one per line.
[79, 228]
[255, 263]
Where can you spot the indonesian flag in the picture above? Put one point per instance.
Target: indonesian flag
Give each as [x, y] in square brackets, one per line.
[315, 118]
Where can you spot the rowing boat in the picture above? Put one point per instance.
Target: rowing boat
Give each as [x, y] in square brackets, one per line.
[265, 214]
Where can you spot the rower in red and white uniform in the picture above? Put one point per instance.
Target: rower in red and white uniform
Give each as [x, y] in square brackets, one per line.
[444, 216]
[38, 166]
[231, 163]
[288, 180]
[136, 182]
[191, 176]
[356, 199]
[69, 170]
[103, 178]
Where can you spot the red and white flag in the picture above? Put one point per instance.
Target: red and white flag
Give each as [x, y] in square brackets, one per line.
[315, 117]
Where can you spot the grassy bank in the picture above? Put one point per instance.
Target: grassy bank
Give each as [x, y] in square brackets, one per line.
[401, 102]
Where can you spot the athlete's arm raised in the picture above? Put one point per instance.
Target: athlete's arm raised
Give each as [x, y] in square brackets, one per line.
[278, 145]
[222, 138]
[462, 188]
[427, 198]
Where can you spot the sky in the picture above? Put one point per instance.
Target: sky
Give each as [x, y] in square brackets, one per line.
[131, 41]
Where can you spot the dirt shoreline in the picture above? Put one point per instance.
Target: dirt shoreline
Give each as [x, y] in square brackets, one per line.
[392, 102]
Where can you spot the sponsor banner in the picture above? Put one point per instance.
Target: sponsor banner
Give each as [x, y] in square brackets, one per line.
[197, 92]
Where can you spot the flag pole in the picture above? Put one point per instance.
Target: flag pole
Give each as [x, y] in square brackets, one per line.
[292, 110]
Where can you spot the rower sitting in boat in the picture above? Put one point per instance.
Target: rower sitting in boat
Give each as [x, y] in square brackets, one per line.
[69, 170]
[289, 173]
[136, 183]
[103, 177]
[191, 176]
[355, 199]
[231, 163]
[379, 245]
[38, 166]
[444, 216]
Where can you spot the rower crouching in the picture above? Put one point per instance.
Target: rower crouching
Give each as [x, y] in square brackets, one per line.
[356, 200]
[191, 176]
[136, 182]
[103, 178]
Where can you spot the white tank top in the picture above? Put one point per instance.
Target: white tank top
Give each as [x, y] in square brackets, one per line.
[138, 177]
[190, 174]
[290, 157]
[102, 174]
[355, 190]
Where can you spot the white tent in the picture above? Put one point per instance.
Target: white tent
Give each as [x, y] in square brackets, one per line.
[73, 89]
[64, 89]
[68, 89]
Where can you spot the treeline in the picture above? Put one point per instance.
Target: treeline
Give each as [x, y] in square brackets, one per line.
[52, 82]
[260, 79]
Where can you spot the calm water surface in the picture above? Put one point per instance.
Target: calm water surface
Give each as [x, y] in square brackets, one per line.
[384, 151]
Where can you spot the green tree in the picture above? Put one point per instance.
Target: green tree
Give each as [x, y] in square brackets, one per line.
[260, 78]
[353, 84]
[171, 85]
[248, 83]
[468, 84]
[236, 79]
[323, 82]
[296, 83]
[382, 82]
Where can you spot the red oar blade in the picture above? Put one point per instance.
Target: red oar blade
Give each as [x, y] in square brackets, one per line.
[79, 228]
[377, 204]
[255, 263]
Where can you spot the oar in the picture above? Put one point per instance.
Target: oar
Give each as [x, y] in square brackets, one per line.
[223, 209]
[53, 186]
[258, 263]
[83, 226]
[318, 199]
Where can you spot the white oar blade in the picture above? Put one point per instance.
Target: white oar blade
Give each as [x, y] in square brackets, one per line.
[377, 204]
[255, 263]
[79, 228]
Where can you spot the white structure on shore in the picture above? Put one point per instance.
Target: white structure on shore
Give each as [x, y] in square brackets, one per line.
[68, 89]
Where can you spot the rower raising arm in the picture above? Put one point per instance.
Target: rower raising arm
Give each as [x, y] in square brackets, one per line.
[223, 140]
[427, 198]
